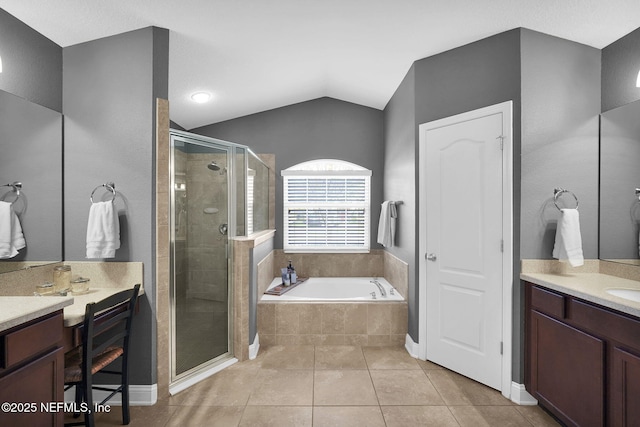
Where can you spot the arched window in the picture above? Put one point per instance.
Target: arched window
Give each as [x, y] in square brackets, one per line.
[326, 207]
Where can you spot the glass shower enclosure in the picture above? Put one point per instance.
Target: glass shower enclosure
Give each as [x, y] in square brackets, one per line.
[217, 194]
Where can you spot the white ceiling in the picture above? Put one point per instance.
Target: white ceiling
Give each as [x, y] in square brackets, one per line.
[255, 55]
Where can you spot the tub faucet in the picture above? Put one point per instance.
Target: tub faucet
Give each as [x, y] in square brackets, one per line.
[382, 291]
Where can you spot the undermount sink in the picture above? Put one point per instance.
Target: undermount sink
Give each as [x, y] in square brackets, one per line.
[630, 294]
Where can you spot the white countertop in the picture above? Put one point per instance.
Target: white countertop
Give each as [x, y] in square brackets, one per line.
[589, 287]
[15, 311]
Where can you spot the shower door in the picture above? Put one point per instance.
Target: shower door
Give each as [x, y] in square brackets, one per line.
[201, 185]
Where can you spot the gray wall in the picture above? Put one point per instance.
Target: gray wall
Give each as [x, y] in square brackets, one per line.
[31, 63]
[620, 66]
[469, 77]
[400, 170]
[321, 128]
[554, 86]
[110, 87]
[560, 108]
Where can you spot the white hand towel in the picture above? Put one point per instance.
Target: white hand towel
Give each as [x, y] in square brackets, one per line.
[568, 244]
[103, 231]
[387, 224]
[11, 237]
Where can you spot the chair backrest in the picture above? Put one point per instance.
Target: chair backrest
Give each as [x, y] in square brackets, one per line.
[107, 323]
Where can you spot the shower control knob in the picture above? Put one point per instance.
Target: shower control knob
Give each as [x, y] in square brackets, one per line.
[431, 257]
[223, 228]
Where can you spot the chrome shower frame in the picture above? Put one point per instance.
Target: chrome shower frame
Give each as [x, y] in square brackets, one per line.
[182, 380]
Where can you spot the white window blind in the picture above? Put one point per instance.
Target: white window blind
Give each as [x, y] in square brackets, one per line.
[327, 211]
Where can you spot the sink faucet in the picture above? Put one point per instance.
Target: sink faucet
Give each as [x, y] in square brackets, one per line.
[382, 291]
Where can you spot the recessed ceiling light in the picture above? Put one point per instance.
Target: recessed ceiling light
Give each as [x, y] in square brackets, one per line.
[201, 97]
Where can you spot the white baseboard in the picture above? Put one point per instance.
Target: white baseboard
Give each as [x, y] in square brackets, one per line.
[411, 346]
[254, 348]
[521, 396]
[139, 395]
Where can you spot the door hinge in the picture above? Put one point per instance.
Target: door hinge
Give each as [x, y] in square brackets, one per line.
[501, 346]
[501, 245]
[501, 138]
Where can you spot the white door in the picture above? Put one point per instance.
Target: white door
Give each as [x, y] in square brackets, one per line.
[464, 244]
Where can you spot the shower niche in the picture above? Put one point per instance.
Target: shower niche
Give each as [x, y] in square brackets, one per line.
[220, 190]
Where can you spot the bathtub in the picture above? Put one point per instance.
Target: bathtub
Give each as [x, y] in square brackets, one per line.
[337, 289]
[333, 311]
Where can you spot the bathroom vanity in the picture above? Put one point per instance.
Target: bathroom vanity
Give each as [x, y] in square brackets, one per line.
[583, 348]
[31, 359]
[35, 332]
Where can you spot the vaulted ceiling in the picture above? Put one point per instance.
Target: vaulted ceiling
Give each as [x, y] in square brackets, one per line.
[255, 55]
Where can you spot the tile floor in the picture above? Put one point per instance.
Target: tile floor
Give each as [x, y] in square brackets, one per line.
[334, 386]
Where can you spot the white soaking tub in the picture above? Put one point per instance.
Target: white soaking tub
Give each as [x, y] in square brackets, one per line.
[337, 289]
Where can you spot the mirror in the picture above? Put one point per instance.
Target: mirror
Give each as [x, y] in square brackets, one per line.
[31, 153]
[619, 178]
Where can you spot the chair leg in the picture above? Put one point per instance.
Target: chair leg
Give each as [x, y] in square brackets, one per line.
[125, 391]
[79, 399]
[88, 394]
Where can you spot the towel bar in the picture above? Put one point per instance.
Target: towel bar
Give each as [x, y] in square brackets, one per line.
[109, 186]
[557, 192]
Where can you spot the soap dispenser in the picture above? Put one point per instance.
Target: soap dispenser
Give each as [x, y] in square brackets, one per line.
[293, 277]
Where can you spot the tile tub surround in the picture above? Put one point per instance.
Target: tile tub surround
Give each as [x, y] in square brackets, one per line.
[331, 265]
[334, 323]
[377, 263]
[351, 323]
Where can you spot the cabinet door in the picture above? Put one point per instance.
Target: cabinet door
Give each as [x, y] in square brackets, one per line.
[39, 381]
[625, 388]
[567, 371]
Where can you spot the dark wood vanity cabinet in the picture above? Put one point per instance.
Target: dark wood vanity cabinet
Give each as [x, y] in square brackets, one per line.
[32, 373]
[582, 360]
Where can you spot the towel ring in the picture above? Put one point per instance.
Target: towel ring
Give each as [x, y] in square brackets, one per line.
[17, 186]
[109, 186]
[557, 192]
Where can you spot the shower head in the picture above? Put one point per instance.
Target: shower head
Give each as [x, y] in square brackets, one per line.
[213, 166]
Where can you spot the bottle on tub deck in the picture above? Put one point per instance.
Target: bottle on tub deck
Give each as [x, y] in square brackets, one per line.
[293, 277]
[286, 280]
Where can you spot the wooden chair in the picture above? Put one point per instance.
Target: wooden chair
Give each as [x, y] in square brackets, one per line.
[105, 338]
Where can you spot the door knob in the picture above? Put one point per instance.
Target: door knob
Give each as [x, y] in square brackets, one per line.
[431, 257]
